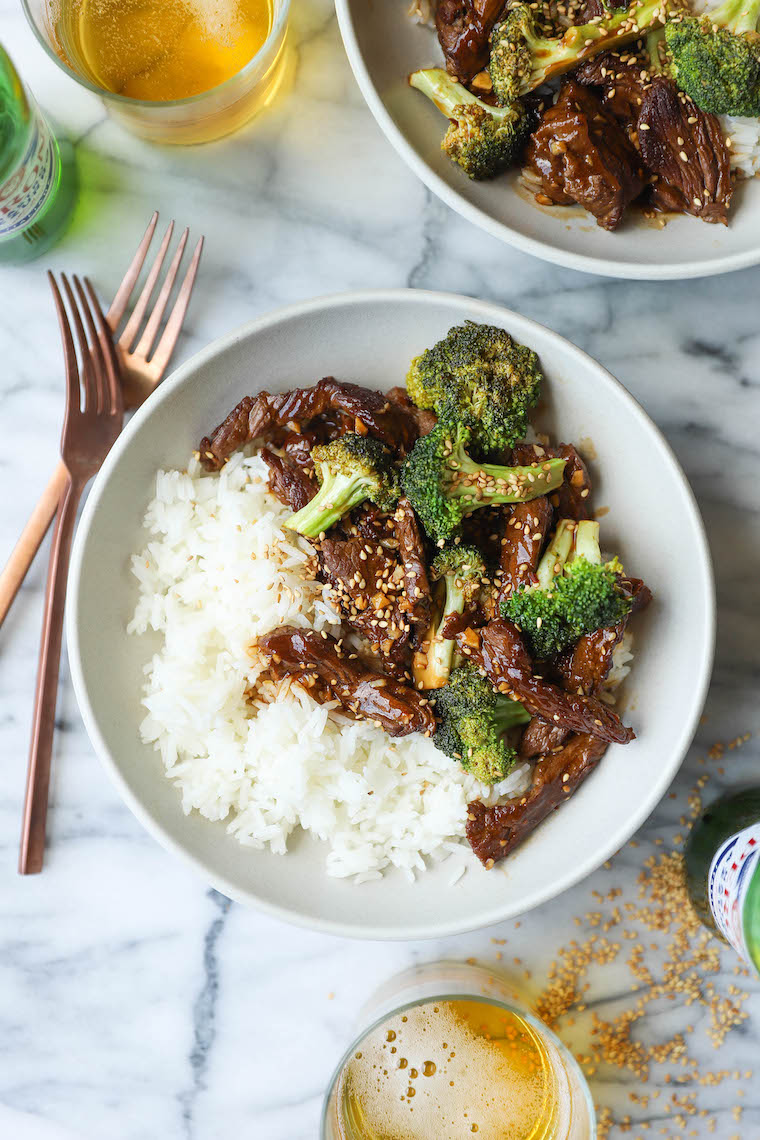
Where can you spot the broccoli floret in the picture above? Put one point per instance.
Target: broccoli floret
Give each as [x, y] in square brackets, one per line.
[522, 58]
[715, 58]
[483, 140]
[444, 484]
[478, 373]
[472, 720]
[575, 593]
[461, 568]
[350, 470]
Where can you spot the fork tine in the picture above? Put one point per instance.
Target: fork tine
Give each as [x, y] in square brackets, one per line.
[133, 324]
[116, 398]
[94, 350]
[124, 292]
[73, 398]
[154, 323]
[165, 346]
[87, 370]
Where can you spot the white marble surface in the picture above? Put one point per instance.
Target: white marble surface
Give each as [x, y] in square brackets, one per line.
[134, 1002]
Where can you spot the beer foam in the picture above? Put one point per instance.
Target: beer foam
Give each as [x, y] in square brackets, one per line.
[478, 1085]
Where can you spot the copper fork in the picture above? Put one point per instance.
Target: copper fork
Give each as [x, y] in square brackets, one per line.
[141, 371]
[92, 422]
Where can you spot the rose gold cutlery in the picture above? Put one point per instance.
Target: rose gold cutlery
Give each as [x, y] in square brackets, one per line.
[108, 379]
[141, 372]
[92, 421]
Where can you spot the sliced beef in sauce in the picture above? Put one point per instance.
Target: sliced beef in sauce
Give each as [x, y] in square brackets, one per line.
[666, 126]
[500, 651]
[411, 548]
[292, 485]
[304, 654]
[464, 27]
[495, 831]
[573, 497]
[582, 154]
[525, 532]
[424, 419]
[348, 406]
[540, 737]
[686, 148]
[298, 445]
[620, 84]
[367, 582]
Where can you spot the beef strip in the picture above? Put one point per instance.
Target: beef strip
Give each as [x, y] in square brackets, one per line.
[498, 648]
[359, 409]
[464, 28]
[665, 124]
[581, 154]
[411, 548]
[367, 582]
[425, 420]
[302, 653]
[455, 624]
[620, 84]
[540, 737]
[292, 485]
[495, 831]
[524, 536]
[572, 498]
[686, 148]
[298, 445]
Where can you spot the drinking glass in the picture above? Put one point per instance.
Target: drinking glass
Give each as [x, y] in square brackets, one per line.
[197, 118]
[566, 1111]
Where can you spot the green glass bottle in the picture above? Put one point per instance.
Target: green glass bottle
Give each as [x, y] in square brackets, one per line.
[723, 870]
[37, 174]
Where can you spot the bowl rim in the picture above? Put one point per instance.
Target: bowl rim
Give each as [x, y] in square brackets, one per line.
[605, 267]
[506, 909]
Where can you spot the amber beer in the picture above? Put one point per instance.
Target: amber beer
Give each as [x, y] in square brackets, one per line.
[174, 71]
[158, 51]
[473, 1062]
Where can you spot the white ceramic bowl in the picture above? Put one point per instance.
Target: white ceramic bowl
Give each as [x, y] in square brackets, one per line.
[370, 338]
[384, 46]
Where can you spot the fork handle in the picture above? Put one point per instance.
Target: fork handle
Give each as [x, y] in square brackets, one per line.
[43, 722]
[22, 556]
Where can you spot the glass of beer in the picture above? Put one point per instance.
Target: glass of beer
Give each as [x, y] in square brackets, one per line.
[451, 1050]
[187, 71]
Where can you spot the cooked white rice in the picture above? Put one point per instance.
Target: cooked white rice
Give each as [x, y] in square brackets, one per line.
[218, 571]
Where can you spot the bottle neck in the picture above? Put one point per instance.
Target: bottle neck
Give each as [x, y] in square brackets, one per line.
[733, 890]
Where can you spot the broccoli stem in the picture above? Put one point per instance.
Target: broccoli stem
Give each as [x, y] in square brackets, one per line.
[509, 713]
[655, 42]
[485, 483]
[441, 652]
[556, 554]
[337, 495]
[739, 16]
[447, 94]
[587, 543]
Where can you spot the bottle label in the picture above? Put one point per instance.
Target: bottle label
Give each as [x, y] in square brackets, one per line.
[29, 186]
[730, 875]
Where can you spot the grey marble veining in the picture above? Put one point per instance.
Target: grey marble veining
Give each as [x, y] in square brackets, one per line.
[135, 1002]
